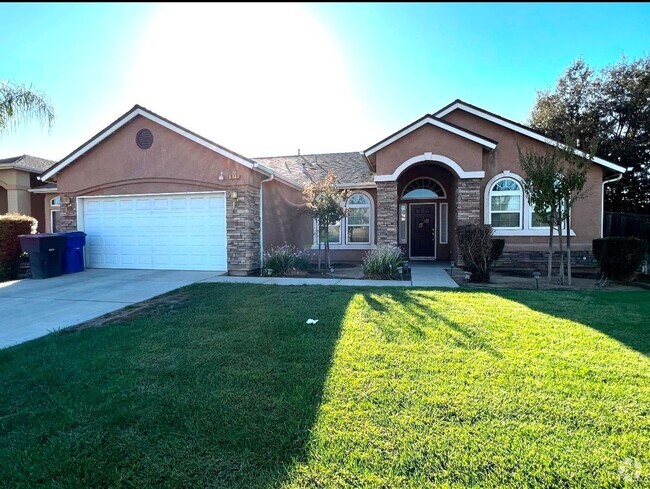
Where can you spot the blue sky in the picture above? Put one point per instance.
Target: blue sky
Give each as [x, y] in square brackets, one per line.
[269, 79]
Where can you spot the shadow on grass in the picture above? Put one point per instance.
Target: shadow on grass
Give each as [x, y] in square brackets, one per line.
[622, 315]
[416, 311]
[222, 392]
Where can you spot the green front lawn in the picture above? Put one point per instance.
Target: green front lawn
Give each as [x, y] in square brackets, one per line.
[391, 388]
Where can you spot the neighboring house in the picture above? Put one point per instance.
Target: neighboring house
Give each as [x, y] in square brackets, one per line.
[21, 191]
[152, 194]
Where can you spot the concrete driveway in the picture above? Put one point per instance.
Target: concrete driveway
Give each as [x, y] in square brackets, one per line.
[33, 308]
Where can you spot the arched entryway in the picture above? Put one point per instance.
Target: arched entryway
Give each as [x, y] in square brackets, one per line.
[426, 200]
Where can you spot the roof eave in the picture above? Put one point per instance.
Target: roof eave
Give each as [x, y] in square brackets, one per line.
[520, 128]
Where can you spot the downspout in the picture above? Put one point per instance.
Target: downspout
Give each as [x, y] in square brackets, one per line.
[602, 202]
[262, 221]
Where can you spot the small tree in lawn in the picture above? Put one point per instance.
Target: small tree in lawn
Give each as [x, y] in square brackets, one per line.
[554, 181]
[326, 203]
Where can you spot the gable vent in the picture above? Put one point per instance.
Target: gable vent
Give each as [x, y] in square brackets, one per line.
[144, 139]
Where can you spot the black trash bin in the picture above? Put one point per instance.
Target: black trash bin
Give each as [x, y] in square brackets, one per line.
[44, 253]
[73, 254]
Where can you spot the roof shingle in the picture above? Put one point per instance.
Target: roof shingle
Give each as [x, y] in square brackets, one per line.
[350, 168]
[28, 163]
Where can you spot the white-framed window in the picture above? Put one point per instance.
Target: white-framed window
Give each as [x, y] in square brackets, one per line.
[538, 222]
[508, 211]
[423, 188]
[356, 228]
[55, 214]
[358, 219]
[444, 226]
[334, 233]
[403, 223]
[506, 200]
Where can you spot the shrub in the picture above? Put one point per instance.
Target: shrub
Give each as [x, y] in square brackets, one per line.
[382, 262]
[281, 260]
[12, 226]
[619, 258]
[478, 250]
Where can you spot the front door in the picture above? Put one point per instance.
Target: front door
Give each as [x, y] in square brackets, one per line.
[423, 231]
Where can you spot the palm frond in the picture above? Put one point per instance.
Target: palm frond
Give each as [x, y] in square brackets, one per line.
[21, 103]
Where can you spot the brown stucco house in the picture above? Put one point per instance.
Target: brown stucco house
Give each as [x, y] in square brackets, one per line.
[22, 192]
[152, 194]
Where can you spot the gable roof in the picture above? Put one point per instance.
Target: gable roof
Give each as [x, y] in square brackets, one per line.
[350, 168]
[434, 121]
[138, 110]
[520, 128]
[28, 163]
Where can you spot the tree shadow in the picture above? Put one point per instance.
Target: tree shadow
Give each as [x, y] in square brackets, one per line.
[221, 392]
[622, 315]
[417, 310]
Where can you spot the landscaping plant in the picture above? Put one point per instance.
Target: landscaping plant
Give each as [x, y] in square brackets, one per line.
[619, 258]
[12, 226]
[478, 250]
[281, 260]
[383, 262]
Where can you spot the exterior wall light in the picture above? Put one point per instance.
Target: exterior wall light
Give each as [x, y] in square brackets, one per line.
[221, 177]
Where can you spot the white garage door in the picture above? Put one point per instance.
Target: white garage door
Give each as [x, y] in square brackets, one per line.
[162, 231]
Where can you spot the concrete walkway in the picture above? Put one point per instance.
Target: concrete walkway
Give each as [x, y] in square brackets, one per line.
[34, 308]
[423, 274]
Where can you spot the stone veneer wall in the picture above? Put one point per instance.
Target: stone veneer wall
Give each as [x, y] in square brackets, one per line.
[242, 228]
[468, 201]
[68, 215]
[387, 213]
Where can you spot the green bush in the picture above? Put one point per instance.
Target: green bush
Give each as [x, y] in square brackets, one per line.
[619, 258]
[478, 250]
[383, 262]
[12, 226]
[282, 260]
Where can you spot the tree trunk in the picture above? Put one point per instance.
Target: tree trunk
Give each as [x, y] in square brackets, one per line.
[550, 253]
[559, 232]
[568, 251]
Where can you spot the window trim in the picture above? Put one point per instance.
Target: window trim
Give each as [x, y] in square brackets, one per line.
[343, 243]
[526, 228]
[519, 193]
[440, 197]
[444, 211]
[347, 222]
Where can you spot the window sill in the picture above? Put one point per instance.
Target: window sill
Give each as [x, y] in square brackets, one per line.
[333, 246]
[528, 232]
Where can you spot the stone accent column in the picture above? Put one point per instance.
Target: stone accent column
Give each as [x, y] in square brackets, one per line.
[243, 230]
[68, 215]
[386, 213]
[468, 201]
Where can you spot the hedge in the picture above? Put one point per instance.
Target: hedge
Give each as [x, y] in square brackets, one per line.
[12, 226]
[619, 258]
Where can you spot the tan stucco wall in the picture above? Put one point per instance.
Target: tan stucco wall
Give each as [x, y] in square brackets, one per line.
[428, 138]
[17, 185]
[285, 216]
[172, 164]
[586, 213]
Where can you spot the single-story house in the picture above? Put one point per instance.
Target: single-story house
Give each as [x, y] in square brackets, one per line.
[152, 194]
[22, 192]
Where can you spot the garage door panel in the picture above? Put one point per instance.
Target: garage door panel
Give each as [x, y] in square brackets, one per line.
[182, 232]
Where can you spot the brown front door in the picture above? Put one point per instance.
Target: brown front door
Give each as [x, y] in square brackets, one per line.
[423, 230]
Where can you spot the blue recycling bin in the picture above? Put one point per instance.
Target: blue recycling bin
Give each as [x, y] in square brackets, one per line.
[72, 258]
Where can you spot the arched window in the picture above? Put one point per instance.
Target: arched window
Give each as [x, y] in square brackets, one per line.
[423, 188]
[358, 219]
[506, 204]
